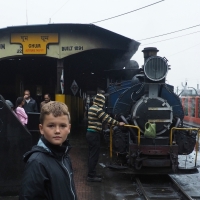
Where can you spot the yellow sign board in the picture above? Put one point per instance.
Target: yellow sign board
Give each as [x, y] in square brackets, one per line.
[34, 43]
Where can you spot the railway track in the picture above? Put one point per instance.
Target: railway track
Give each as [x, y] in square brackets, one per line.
[161, 187]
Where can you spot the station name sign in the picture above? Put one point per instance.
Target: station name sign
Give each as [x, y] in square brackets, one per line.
[34, 43]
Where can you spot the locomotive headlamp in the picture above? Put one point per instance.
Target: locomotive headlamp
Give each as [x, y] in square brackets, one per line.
[156, 68]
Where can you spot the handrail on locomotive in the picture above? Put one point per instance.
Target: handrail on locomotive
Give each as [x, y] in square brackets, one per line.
[126, 125]
[189, 129]
[170, 138]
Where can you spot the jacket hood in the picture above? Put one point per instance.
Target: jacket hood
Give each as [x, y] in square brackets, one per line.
[41, 147]
[99, 100]
[34, 149]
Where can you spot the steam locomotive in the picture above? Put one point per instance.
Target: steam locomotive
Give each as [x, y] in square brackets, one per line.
[151, 110]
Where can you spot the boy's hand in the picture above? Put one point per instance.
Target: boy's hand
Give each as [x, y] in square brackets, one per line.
[121, 123]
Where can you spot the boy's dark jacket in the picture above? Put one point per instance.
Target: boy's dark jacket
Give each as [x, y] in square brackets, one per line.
[48, 173]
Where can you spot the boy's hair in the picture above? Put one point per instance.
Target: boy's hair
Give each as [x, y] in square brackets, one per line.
[55, 108]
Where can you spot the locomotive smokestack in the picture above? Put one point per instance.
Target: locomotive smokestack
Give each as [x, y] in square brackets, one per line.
[149, 51]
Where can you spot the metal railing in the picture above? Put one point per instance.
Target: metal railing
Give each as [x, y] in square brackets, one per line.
[170, 140]
[111, 133]
[189, 129]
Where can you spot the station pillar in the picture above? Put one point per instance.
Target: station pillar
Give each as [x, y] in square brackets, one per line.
[60, 67]
[60, 98]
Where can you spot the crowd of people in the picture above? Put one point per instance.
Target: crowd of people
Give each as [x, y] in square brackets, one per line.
[48, 171]
[26, 104]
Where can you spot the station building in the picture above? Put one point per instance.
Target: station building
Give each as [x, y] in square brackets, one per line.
[68, 61]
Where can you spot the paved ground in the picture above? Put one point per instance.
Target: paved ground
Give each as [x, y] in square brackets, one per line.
[115, 186]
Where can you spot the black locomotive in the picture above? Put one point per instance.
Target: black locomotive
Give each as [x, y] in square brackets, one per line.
[151, 110]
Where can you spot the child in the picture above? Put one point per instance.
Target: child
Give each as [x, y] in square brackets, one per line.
[48, 171]
[20, 112]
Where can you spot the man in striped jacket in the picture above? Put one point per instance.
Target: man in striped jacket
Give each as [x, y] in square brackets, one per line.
[96, 116]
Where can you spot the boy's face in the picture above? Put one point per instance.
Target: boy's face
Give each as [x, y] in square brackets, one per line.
[55, 129]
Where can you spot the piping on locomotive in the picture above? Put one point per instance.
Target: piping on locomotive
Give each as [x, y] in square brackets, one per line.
[152, 110]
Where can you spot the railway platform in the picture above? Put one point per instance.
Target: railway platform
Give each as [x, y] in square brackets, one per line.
[115, 186]
[79, 154]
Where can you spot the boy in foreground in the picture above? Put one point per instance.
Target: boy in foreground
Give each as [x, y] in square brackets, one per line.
[48, 172]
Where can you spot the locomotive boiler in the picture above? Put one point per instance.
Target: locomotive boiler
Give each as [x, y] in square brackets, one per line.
[154, 135]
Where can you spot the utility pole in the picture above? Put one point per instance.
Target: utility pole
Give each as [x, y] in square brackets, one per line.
[26, 14]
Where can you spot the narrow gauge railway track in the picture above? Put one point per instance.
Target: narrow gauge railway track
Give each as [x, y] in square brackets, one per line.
[161, 187]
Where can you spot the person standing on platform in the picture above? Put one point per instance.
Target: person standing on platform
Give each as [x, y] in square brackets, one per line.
[48, 172]
[47, 99]
[20, 112]
[96, 116]
[30, 104]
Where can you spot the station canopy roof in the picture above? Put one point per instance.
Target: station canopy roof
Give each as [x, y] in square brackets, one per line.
[62, 40]
[86, 48]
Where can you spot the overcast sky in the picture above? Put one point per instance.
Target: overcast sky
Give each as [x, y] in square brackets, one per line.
[182, 49]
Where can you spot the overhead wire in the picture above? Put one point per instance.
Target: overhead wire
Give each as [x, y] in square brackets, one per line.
[149, 37]
[137, 10]
[60, 8]
[128, 12]
[170, 32]
[184, 50]
[170, 38]
[153, 36]
[175, 38]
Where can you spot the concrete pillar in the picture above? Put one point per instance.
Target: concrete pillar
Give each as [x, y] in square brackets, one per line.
[60, 98]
